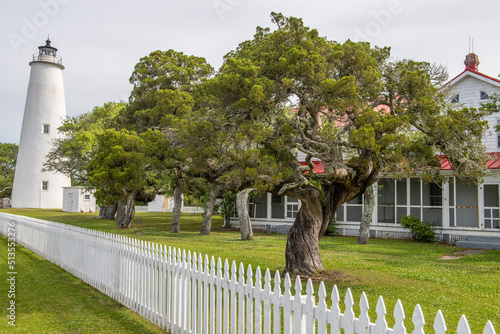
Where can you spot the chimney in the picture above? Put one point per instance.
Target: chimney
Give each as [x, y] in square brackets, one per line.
[471, 62]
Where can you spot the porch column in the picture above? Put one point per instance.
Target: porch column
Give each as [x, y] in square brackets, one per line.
[375, 208]
[446, 204]
[480, 205]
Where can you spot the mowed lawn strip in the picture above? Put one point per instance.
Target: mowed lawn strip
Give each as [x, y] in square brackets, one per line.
[50, 300]
[394, 269]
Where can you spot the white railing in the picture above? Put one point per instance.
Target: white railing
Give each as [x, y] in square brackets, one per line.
[184, 293]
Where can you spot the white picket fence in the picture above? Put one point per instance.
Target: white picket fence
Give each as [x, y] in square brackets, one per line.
[184, 293]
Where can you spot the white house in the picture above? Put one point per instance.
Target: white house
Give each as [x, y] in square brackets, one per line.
[77, 199]
[459, 210]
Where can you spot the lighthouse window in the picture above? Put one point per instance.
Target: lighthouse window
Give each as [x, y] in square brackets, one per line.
[46, 128]
[45, 185]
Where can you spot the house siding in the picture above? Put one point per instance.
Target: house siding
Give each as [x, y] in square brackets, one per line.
[469, 89]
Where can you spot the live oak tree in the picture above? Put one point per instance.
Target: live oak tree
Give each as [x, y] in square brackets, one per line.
[120, 170]
[165, 84]
[331, 102]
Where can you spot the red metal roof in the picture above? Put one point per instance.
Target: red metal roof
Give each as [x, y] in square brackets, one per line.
[317, 166]
[492, 163]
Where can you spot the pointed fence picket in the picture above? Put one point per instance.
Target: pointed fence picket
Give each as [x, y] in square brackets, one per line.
[184, 293]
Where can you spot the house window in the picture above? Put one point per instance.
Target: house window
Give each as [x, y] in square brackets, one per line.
[292, 207]
[258, 206]
[484, 96]
[45, 185]
[46, 128]
[277, 207]
[455, 99]
[86, 197]
[435, 195]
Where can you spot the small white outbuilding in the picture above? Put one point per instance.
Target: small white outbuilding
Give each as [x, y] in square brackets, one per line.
[161, 203]
[77, 199]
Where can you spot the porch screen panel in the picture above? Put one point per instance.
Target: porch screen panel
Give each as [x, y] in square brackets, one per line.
[401, 212]
[467, 205]
[277, 207]
[433, 215]
[433, 203]
[402, 192]
[354, 209]
[340, 214]
[415, 191]
[402, 199]
[451, 197]
[433, 194]
[258, 206]
[415, 212]
[386, 201]
[491, 206]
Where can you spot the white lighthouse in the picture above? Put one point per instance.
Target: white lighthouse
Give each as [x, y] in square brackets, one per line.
[43, 114]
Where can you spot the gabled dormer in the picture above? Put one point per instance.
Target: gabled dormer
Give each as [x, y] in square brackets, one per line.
[472, 88]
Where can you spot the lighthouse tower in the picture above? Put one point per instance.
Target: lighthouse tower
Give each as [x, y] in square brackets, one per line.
[43, 114]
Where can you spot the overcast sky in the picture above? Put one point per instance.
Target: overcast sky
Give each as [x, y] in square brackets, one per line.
[101, 41]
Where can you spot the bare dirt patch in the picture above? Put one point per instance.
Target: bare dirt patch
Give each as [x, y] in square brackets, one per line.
[458, 255]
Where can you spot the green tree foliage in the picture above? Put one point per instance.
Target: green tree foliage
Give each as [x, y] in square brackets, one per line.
[120, 170]
[8, 157]
[72, 152]
[346, 104]
[165, 90]
[285, 96]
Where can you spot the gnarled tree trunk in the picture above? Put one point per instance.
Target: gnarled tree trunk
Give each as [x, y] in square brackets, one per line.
[302, 246]
[206, 225]
[178, 190]
[127, 211]
[243, 216]
[121, 210]
[107, 211]
[366, 218]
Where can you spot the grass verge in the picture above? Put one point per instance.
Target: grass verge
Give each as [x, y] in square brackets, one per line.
[49, 300]
[395, 269]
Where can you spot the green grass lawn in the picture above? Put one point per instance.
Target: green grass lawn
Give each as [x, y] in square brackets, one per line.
[49, 300]
[395, 269]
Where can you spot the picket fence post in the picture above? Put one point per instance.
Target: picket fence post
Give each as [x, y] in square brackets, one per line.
[232, 289]
[257, 293]
[225, 313]
[267, 302]
[218, 283]
[276, 301]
